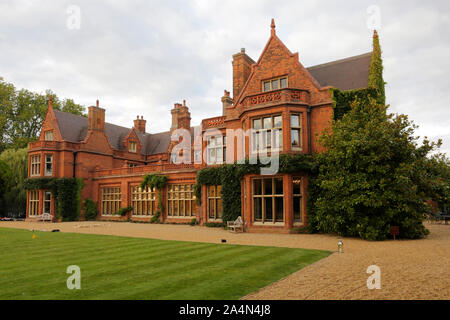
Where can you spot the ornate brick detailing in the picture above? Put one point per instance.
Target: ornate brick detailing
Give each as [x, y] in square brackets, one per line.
[141, 170]
[282, 95]
[215, 122]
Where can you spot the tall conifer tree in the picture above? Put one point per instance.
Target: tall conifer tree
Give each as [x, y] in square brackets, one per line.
[376, 70]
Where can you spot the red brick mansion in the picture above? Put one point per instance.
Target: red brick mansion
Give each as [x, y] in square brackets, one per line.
[284, 104]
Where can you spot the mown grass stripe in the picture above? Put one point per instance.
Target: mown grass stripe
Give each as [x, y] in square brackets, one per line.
[135, 268]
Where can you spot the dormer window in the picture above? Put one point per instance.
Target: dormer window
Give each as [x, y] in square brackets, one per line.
[132, 146]
[48, 135]
[275, 84]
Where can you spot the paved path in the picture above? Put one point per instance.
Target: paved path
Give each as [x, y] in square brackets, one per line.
[410, 269]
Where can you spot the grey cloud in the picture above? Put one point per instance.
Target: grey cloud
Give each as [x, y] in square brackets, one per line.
[139, 57]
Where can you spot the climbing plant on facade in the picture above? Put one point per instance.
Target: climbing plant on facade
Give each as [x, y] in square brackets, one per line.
[376, 70]
[65, 191]
[158, 182]
[229, 176]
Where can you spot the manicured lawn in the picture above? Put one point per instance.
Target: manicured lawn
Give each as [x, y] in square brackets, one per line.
[133, 268]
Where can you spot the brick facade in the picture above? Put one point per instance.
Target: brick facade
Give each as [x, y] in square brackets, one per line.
[112, 160]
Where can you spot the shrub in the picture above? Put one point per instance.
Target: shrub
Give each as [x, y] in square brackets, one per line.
[123, 211]
[90, 209]
[372, 176]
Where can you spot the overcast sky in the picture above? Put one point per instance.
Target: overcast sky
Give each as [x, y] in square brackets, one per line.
[140, 57]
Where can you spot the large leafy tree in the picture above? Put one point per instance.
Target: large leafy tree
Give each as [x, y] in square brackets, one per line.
[438, 168]
[14, 196]
[22, 113]
[373, 175]
[5, 177]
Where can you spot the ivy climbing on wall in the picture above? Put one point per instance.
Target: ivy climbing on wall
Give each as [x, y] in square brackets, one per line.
[65, 191]
[229, 176]
[158, 182]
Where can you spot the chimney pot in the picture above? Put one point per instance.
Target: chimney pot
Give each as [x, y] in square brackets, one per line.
[139, 124]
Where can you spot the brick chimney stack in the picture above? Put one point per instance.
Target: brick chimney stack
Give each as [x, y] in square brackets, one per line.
[139, 124]
[181, 117]
[96, 118]
[226, 102]
[242, 66]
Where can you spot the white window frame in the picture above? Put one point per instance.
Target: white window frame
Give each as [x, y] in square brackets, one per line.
[298, 129]
[46, 172]
[132, 146]
[271, 83]
[35, 165]
[143, 201]
[264, 197]
[181, 194]
[48, 135]
[214, 201]
[216, 145]
[33, 203]
[111, 200]
[259, 137]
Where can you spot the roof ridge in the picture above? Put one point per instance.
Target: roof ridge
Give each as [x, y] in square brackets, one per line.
[106, 123]
[340, 60]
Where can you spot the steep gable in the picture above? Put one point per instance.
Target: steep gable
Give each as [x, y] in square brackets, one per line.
[132, 136]
[277, 60]
[51, 123]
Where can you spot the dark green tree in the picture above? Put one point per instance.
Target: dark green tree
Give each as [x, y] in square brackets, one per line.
[14, 198]
[372, 176]
[22, 113]
[5, 178]
[438, 168]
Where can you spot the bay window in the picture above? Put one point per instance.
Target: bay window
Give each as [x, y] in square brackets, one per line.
[47, 201]
[267, 133]
[33, 203]
[268, 200]
[296, 131]
[48, 164]
[297, 199]
[35, 166]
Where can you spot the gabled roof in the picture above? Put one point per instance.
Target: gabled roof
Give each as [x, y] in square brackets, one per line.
[74, 129]
[345, 74]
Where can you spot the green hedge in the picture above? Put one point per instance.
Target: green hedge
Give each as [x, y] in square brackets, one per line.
[90, 209]
[66, 191]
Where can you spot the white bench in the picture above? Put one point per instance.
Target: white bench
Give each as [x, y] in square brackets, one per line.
[236, 225]
[45, 217]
